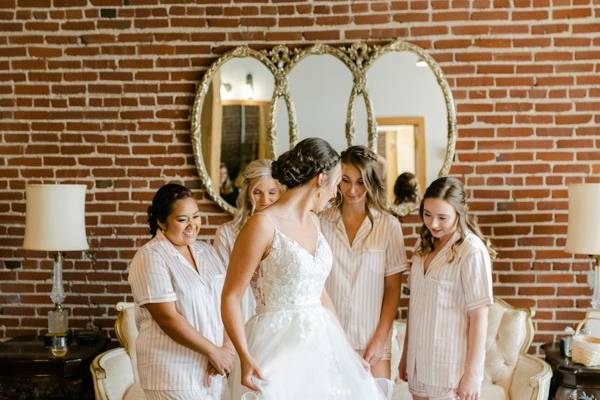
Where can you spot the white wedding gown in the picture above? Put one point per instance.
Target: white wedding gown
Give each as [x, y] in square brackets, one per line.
[298, 345]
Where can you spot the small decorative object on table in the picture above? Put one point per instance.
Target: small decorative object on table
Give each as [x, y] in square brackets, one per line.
[566, 342]
[586, 347]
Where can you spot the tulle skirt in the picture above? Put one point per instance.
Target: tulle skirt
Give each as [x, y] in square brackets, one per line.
[303, 354]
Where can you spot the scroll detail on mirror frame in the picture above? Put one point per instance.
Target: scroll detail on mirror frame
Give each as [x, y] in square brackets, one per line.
[280, 61]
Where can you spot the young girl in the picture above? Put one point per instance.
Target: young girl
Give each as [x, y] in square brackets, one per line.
[451, 289]
[258, 191]
[368, 257]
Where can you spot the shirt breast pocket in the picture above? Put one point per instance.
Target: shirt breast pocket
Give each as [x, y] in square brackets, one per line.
[374, 261]
[444, 292]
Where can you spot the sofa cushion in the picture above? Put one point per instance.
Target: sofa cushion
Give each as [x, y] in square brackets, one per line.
[507, 334]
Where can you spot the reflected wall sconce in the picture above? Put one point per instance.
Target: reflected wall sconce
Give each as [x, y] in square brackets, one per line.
[248, 91]
[421, 63]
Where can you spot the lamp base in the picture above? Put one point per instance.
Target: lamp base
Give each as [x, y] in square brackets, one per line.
[58, 322]
[593, 280]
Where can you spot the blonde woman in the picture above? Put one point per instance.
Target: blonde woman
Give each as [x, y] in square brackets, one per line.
[258, 191]
[451, 289]
[368, 258]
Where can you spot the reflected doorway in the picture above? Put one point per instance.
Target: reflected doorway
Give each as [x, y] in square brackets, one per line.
[401, 141]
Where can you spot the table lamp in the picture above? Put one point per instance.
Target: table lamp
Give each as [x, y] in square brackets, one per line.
[583, 234]
[55, 221]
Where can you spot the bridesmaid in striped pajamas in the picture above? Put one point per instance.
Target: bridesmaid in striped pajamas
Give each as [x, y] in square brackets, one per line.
[368, 258]
[258, 191]
[176, 283]
[450, 291]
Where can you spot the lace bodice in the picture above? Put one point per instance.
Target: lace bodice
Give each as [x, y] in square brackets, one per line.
[291, 277]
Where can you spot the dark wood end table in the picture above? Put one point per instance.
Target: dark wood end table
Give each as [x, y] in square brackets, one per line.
[30, 371]
[571, 381]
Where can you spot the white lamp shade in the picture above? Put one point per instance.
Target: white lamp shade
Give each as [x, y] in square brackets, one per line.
[583, 234]
[55, 217]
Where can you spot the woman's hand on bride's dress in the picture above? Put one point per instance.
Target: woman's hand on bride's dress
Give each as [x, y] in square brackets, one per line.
[250, 373]
[374, 350]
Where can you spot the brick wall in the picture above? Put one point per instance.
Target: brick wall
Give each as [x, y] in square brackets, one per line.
[99, 92]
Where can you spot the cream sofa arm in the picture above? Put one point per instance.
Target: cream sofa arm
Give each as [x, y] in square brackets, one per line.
[531, 379]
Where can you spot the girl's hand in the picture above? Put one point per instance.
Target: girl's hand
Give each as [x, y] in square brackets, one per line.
[469, 387]
[374, 351]
[250, 373]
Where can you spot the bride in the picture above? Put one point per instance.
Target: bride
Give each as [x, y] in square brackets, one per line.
[294, 347]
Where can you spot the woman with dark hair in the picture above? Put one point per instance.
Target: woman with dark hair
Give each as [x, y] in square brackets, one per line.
[176, 283]
[450, 291]
[293, 348]
[368, 258]
[406, 188]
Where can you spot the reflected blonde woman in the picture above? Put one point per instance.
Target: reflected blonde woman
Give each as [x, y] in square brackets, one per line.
[258, 190]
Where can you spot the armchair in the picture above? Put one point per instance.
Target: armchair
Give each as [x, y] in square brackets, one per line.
[510, 373]
[114, 372]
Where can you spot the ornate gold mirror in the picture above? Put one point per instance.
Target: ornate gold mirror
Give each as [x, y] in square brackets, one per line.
[319, 85]
[256, 104]
[414, 120]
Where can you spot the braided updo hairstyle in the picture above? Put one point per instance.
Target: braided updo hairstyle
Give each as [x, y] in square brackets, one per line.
[306, 160]
[162, 204]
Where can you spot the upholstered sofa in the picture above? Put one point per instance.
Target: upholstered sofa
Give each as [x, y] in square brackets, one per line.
[114, 372]
[510, 373]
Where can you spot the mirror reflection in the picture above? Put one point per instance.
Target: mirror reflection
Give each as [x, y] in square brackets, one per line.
[411, 118]
[320, 87]
[235, 122]
[406, 113]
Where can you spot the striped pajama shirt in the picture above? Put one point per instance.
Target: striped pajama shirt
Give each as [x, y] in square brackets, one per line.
[440, 299]
[159, 274]
[356, 281]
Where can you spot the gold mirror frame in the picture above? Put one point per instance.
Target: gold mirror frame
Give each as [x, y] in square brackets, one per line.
[280, 61]
[372, 55]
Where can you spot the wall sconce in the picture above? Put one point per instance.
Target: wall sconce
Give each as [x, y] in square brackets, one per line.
[55, 221]
[583, 234]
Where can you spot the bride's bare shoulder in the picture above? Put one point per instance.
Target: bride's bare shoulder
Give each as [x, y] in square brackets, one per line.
[259, 224]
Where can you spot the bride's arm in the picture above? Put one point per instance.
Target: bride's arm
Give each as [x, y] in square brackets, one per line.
[251, 244]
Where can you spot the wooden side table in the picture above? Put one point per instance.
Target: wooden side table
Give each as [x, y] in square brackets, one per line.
[30, 371]
[571, 381]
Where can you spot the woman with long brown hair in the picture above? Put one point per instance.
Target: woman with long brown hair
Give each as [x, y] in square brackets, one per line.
[368, 258]
[450, 291]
